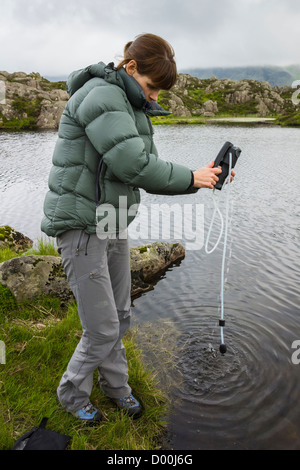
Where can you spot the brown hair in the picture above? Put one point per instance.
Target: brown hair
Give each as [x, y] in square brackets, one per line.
[154, 57]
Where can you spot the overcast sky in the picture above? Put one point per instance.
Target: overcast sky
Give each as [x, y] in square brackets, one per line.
[55, 37]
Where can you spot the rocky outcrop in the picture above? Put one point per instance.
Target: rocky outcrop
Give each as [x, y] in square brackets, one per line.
[16, 241]
[28, 277]
[52, 109]
[149, 262]
[31, 101]
[209, 108]
[209, 97]
[176, 106]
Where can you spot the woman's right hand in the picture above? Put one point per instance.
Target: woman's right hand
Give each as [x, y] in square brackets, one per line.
[206, 177]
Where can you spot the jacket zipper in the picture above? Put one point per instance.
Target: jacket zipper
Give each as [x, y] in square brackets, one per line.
[151, 130]
[98, 191]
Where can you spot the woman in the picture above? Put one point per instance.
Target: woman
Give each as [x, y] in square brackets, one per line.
[105, 151]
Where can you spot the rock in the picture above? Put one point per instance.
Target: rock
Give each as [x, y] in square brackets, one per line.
[197, 111]
[13, 239]
[28, 277]
[207, 114]
[46, 104]
[59, 95]
[181, 111]
[178, 101]
[4, 74]
[18, 75]
[238, 96]
[209, 108]
[150, 261]
[262, 108]
[176, 106]
[50, 115]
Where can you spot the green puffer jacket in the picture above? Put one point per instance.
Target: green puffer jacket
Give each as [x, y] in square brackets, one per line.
[105, 150]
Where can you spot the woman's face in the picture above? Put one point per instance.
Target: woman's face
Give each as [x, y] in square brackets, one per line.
[151, 93]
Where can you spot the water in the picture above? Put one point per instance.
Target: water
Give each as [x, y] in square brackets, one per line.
[249, 398]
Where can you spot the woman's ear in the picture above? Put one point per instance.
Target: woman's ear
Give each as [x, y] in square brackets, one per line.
[131, 67]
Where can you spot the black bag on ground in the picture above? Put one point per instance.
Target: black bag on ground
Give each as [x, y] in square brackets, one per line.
[40, 438]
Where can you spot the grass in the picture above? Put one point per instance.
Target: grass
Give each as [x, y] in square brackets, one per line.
[43, 247]
[7, 253]
[171, 120]
[175, 120]
[40, 338]
[289, 120]
[27, 112]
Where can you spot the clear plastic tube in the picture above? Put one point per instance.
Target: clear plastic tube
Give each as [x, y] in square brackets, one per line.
[224, 228]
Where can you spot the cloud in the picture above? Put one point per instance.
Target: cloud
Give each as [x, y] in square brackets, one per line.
[55, 37]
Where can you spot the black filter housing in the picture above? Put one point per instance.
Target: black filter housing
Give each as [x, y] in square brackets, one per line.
[223, 161]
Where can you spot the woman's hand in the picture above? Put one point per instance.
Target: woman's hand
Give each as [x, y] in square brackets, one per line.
[206, 177]
[233, 173]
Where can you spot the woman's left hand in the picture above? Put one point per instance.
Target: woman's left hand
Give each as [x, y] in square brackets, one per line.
[233, 173]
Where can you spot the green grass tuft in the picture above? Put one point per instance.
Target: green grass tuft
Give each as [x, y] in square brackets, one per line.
[43, 247]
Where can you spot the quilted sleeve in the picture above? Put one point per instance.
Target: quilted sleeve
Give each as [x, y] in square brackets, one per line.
[112, 131]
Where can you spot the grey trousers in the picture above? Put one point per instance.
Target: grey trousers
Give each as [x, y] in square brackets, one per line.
[98, 272]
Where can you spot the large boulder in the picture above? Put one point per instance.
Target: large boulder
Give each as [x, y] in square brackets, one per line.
[209, 108]
[31, 276]
[149, 262]
[50, 115]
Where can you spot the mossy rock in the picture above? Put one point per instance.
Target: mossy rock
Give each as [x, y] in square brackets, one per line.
[16, 241]
[29, 277]
[149, 262]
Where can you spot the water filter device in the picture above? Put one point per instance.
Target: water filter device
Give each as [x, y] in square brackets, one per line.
[222, 160]
[226, 159]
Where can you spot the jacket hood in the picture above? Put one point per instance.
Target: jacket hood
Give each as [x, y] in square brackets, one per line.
[117, 77]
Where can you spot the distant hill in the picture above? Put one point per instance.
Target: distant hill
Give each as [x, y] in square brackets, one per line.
[56, 78]
[275, 75]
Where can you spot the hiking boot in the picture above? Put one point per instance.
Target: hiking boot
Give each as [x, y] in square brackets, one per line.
[130, 405]
[88, 413]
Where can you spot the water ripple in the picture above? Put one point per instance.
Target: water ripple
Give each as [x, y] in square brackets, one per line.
[244, 386]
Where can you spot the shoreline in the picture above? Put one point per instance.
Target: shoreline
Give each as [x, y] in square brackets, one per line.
[230, 120]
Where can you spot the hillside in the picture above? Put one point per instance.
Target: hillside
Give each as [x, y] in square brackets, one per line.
[214, 97]
[276, 76]
[33, 102]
